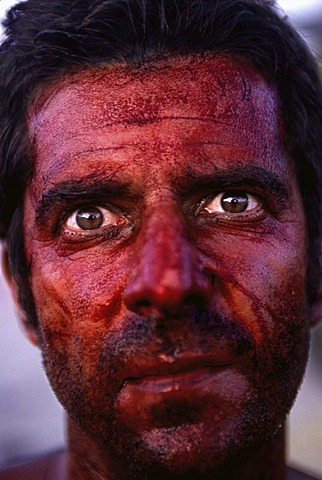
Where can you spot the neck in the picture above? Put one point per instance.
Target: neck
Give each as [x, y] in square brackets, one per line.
[88, 460]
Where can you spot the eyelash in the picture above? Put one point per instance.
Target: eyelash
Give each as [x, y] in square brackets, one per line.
[107, 231]
[113, 231]
[233, 216]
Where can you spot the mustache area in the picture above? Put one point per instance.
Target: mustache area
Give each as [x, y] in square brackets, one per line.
[195, 332]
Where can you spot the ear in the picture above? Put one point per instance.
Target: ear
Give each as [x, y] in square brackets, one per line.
[316, 309]
[24, 323]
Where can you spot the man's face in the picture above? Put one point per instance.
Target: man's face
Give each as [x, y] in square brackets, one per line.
[167, 244]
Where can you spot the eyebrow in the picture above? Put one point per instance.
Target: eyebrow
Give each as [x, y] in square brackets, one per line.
[90, 187]
[93, 187]
[249, 176]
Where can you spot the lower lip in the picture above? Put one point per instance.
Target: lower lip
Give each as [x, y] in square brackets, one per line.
[170, 400]
[196, 379]
[190, 397]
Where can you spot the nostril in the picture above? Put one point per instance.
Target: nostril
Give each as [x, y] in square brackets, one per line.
[143, 304]
[194, 300]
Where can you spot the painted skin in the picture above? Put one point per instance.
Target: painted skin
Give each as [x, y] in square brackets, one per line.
[174, 332]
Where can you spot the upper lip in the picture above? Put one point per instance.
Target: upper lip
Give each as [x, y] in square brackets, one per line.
[159, 366]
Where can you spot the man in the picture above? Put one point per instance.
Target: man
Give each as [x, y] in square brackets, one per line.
[161, 217]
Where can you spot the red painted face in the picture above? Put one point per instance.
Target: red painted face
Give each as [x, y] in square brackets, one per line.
[166, 237]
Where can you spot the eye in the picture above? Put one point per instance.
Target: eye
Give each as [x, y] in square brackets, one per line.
[230, 202]
[93, 218]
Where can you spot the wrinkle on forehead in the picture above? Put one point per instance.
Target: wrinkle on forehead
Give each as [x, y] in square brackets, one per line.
[208, 104]
[140, 94]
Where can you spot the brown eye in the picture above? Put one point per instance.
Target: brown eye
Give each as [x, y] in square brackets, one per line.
[234, 202]
[93, 218]
[230, 202]
[89, 218]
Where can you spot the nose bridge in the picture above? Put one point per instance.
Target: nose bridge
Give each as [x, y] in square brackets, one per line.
[168, 272]
[167, 252]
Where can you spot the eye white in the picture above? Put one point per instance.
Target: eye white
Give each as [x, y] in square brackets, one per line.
[231, 202]
[92, 218]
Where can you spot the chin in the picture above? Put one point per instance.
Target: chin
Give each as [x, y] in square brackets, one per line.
[203, 450]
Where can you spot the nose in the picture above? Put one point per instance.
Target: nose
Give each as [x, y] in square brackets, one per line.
[168, 273]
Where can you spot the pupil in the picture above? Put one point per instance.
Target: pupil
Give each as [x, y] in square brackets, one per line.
[89, 218]
[234, 202]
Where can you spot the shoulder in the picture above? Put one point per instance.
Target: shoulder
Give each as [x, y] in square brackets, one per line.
[296, 475]
[49, 466]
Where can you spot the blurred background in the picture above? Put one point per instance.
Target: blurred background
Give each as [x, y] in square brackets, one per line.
[31, 420]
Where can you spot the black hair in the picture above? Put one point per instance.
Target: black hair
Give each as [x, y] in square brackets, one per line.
[47, 38]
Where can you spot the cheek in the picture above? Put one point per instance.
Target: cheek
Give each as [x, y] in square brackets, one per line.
[265, 289]
[261, 281]
[78, 301]
[79, 295]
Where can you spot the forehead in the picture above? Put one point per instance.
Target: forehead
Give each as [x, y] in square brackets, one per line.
[195, 100]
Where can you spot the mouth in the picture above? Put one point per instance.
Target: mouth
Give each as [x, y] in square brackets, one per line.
[184, 392]
[191, 379]
[184, 374]
[188, 384]
[170, 374]
[178, 369]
